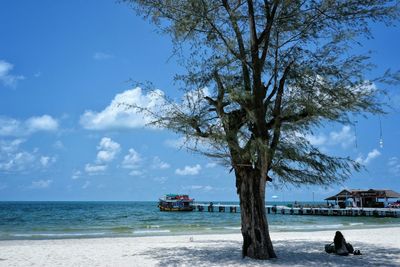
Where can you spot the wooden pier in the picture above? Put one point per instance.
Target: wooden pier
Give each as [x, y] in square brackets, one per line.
[285, 210]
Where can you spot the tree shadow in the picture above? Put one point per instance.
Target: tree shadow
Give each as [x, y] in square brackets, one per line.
[312, 254]
[290, 253]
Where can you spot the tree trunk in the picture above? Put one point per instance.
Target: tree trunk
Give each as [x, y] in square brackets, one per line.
[256, 240]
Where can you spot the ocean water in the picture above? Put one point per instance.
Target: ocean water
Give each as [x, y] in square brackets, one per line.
[52, 220]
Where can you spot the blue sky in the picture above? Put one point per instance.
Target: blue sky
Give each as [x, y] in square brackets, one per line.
[63, 63]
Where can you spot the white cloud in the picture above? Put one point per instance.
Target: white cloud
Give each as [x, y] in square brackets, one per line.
[6, 78]
[175, 143]
[86, 185]
[13, 158]
[123, 112]
[211, 165]
[205, 188]
[159, 164]
[191, 143]
[94, 168]
[10, 146]
[42, 123]
[345, 137]
[47, 161]
[76, 175]
[394, 166]
[370, 156]
[316, 140]
[108, 149]
[10, 127]
[13, 127]
[194, 98]
[134, 109]
[189, 170]
[131, 160]
[58, 145]
[22, 159]
[44, 160]
[135, 173]
[102, 56]
[367, 87]
[41, 184]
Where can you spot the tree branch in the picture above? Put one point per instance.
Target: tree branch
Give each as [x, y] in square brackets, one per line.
[240, 42]
[290, 118]
[266, 34]
[277, 114]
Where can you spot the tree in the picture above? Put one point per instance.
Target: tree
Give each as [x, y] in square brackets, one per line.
[261, 75]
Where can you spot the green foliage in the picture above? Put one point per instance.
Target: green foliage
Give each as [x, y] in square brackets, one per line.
[273, 71]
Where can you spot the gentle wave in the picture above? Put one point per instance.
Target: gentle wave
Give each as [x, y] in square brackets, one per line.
[306, 227]
[57, 235]
[232, 228]
[150, 231]
[121, 229]
[354, 224]
[329, 226]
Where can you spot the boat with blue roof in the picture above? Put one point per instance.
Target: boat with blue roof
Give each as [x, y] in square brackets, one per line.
[176, 202]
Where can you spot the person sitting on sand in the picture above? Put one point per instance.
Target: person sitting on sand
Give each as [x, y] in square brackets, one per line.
[340, 246]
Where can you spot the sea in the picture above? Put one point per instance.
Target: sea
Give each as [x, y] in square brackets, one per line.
[57, 220]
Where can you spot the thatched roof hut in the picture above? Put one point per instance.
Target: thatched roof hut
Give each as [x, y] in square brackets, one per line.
[364, 198]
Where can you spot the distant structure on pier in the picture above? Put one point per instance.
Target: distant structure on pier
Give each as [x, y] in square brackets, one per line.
[357, 198]
[357, 202]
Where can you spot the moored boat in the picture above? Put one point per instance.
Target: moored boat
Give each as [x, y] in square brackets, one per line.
[175, 202]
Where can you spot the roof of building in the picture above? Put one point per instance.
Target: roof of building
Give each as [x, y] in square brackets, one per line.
[380, 193]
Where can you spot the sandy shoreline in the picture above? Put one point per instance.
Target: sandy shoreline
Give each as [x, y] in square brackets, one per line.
[380, 247]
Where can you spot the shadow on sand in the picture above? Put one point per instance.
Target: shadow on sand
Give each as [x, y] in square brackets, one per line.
[293, 253]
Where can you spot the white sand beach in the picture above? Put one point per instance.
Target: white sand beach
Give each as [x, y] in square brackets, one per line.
[380, 247]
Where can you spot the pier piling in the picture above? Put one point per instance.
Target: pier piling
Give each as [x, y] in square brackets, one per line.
[316, 211]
